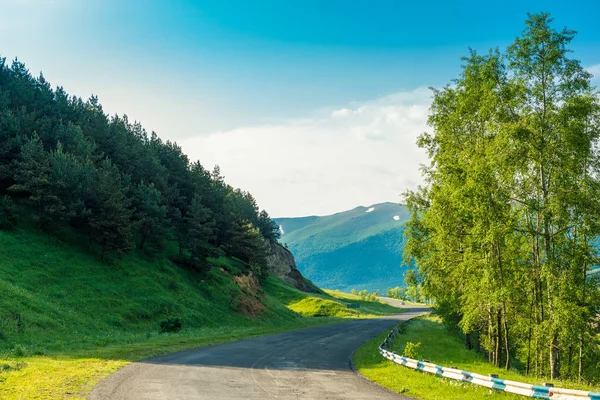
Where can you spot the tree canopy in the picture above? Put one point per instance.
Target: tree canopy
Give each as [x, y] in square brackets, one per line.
[505, 229]
[112, 182]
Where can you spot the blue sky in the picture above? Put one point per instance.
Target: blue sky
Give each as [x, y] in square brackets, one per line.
[204, 72]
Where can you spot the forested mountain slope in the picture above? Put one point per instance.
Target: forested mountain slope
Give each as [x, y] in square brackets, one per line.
[106, 229]
[356, 249]
[114, 184]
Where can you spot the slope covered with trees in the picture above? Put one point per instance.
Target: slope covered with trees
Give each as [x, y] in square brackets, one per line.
[503, 232]
[118, 187]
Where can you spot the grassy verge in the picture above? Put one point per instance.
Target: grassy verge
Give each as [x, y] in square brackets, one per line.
[368, 307]
[440, 347]
[329, 303]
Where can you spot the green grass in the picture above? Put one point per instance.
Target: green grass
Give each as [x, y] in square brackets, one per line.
[329, 303]
[442, 348]
[67, 320]
[368, 307]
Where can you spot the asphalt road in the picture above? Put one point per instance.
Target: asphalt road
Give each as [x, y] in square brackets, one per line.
[310, 363]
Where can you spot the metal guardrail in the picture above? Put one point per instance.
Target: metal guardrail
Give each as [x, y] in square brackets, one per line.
[492, 382]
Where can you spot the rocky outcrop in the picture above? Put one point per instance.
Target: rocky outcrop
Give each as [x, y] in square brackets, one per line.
[281, 263]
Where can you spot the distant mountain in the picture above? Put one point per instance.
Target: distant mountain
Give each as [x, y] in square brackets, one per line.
[355, 249]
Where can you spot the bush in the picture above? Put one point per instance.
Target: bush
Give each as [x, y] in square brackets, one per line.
[19, 351]
[411, 350]
[170, 325]
[7, 214]
[402, 327]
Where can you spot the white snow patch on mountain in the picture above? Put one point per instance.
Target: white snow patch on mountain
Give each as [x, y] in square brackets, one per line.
[370, 209]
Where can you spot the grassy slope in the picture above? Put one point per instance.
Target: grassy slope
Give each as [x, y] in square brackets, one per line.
[81, 319]
[442, 348]
[328, 303]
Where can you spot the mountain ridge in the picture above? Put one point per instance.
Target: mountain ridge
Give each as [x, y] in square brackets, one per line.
[358, 249]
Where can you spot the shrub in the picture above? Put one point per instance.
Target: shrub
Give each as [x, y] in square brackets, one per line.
[371, 297]
[411, 350]
[170, 325]
[402, 326]
[19, 351]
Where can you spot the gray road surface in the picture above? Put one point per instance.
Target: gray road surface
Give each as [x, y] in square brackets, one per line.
[310, 363]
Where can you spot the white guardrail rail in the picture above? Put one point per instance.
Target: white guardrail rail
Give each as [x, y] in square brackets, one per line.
[492, 382]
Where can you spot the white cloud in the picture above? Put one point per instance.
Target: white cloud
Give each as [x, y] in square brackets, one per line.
[359, 154]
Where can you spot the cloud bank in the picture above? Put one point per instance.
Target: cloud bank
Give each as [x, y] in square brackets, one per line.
[359, 154]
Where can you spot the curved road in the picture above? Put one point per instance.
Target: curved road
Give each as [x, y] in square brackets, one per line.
[309, 363]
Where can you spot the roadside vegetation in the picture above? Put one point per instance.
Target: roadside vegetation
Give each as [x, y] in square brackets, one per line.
[504, 233]
[428, 338]
[327, 303]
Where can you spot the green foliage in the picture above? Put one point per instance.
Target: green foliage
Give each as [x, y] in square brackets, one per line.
[198, 229]
[33, 176]
[246, 243]
[8, 219]
[170, 325]
[111, 181]
[411, 350]
[151, 216]
[19, 351]
[396, 293]
[503, 233]
[365, 295]
[330, 303]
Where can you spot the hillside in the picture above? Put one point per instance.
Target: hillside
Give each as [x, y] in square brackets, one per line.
[52, 292]
[67, 319]
[356, 249]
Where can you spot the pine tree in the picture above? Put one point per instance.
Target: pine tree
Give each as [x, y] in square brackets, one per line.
[199, 232]
[151, 216]
[33, 178]
[110, 222]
